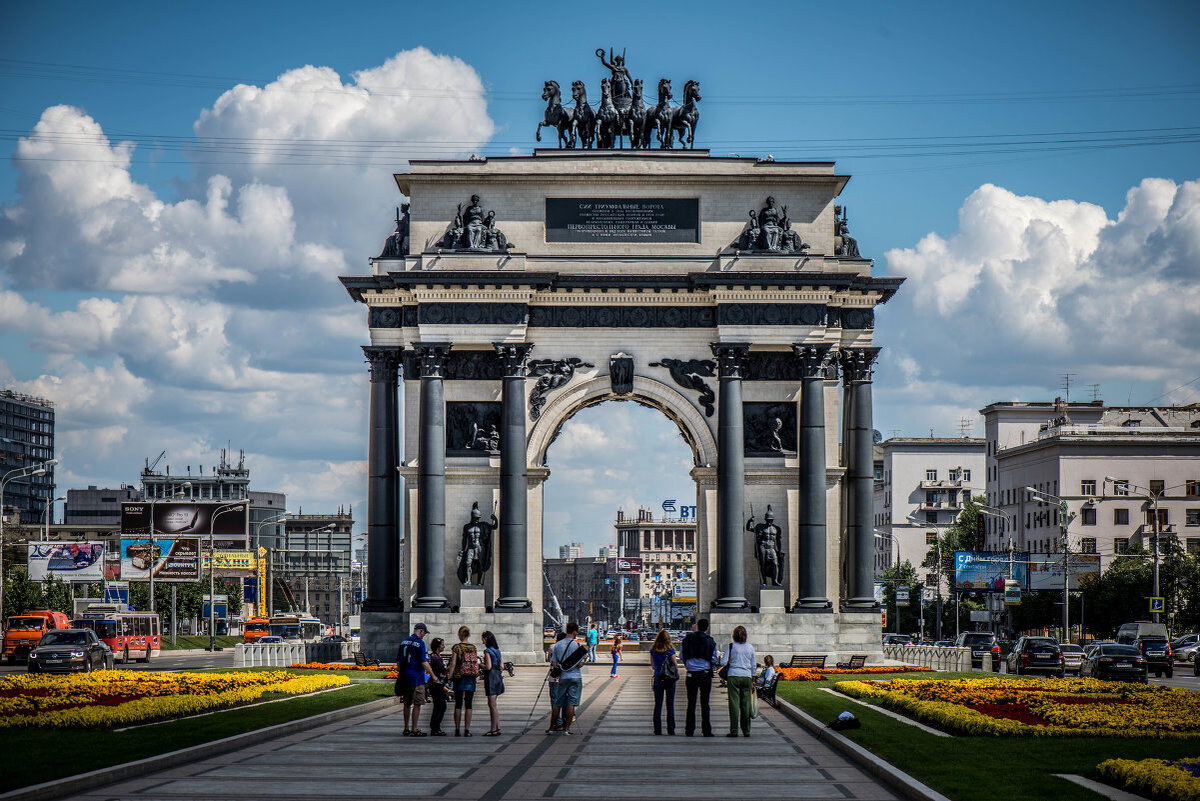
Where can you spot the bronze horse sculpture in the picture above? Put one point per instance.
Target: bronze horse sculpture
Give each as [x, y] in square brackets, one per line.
[584, 122]
[684, 118]
[608, 119]
[634, 122]
[557, 117]
[660, 116]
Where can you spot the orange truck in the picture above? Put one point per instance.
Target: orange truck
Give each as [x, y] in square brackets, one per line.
[256, 628]
[23, 632]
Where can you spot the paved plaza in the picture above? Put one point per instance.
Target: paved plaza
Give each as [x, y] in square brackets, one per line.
[612, 755]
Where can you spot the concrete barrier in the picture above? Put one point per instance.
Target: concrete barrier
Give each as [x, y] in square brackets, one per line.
[290, 653]
[929, 656]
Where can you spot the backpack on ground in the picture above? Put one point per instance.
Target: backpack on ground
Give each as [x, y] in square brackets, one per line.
[468, 664]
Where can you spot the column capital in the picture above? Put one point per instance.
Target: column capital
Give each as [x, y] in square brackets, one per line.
[857, 363]
[732, 358]
[513, 357]
[383, 360]
[815, 359]
[433, 358]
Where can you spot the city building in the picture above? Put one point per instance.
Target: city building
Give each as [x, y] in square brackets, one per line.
[26, 440]
[98, 506]
[572, 551]
[1119, 469]
[223, 482]
[608, 550]
[667, 548]
[312, 569]
[920, 486]
[586, 588]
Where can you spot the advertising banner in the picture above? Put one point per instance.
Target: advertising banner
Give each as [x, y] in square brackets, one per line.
[262, 583]
[685, 592]
[683, 612]
[187, 518]
[69, 561]
[174, 559]
[629, 564]
[985, 571]
[1046, 570]
[230, 564]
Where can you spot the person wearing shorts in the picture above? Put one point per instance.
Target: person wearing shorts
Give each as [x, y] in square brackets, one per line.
[412, 659]
[464, 686]
[570, 682]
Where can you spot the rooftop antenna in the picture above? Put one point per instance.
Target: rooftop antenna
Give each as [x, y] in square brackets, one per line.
[895, 432]
[965, 427]
[931, 433]
[1066, 385]
[1095, 390]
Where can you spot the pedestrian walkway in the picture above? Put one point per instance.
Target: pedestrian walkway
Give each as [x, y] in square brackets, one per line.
[612, 754]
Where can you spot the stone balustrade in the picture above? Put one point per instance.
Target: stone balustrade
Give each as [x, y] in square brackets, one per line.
[290, 653]
[932, 657]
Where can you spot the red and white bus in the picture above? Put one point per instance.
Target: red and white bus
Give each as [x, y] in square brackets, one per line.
[129, 634]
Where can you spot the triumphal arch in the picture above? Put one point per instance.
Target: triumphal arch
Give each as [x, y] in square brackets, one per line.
[724, 292]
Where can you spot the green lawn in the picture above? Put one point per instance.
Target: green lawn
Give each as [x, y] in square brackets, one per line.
[32, 756]
[187, 642]
[979, 768]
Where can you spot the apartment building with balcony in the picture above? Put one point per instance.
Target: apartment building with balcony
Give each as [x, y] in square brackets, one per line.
[920, 492]
[1121, 471]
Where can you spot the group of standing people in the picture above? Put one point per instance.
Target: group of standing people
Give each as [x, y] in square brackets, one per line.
[425, 674]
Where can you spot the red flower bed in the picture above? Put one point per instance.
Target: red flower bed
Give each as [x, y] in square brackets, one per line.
[1017, 712]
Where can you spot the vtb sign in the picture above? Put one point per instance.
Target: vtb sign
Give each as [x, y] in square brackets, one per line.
[684, 512]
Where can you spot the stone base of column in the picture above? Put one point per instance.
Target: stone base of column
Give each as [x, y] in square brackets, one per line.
[813, 605]
[387, 607]
[729, 604]
[382, 633]
[432, 602]
[861, 604]
[513, 604]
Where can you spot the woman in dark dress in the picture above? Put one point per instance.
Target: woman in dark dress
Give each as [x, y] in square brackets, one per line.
[437, 686]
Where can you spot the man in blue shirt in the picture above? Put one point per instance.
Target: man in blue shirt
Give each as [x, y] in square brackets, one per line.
[700, 656]
[593, 641]
[570, 682]
[412, 664]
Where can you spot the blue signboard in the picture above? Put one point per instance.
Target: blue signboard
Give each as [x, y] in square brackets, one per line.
[222, 610]
[986, 571]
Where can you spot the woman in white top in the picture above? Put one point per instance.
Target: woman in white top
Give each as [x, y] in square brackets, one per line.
[768, 671]
[741, 660]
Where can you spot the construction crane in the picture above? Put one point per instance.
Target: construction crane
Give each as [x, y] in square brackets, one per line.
[151, 465]
[561, 617]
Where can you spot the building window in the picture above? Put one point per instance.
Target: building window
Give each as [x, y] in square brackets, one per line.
[1121, 487]
[1156, 486]
[1120, 517]
[1191, 488]
[1087, 486]
[1120, 544]
[1163, 517]
[931, 475]
[966, 475]
[1088, 515]
[1193, 517]
[1193, 545]
[1087, 545]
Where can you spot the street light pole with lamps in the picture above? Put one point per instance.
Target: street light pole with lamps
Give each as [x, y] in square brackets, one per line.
[259, 596]
[1064, 517]
[212, 565]
[941, 566]
[12, 475]
[46, 515]
[1152, 497]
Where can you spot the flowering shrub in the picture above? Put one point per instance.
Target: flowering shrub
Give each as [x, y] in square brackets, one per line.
[1155, 778]
[337, 666]
[817, 674]
[124, 697]
[1041, 707]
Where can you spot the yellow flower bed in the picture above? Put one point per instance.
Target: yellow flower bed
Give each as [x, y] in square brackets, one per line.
[124, 697]
[1155, 778]
[1039, 707]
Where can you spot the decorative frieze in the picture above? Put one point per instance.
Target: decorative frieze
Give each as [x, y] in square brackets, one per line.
[778, 314]
[459, 365]
[472, 428]
[622, 317]
[551, 375]
[690, 374]
[770, 428]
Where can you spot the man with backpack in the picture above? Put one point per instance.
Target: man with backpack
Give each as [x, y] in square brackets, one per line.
[412, 664]
[565, 659]
[700, 656]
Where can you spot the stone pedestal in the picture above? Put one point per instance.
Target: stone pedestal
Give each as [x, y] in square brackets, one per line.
[519, 638]
[382, 633]
[781, 634]
[771, 600]
[470, 599]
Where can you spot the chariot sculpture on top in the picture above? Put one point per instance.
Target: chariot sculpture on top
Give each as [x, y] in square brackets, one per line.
[622, 115]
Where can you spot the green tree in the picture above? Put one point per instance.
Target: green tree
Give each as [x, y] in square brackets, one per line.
[58, 596]
[959, 536]
[902, 618]
[21, 594]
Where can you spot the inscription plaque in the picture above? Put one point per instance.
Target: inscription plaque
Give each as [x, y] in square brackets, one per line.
[615, 219]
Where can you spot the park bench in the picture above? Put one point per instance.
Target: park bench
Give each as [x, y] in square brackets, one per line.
[857, 661]
[767, 692]
[807, 661]
[362, 660]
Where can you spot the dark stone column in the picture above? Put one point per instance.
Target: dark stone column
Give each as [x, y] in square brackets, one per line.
[431, 481]
[731, 477]
[860, 477]
[383, 488]
[814, 369]
[514, 484]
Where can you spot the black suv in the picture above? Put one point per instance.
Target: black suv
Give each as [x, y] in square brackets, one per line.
[1151, 641]
[980, 643]
[1036, 655]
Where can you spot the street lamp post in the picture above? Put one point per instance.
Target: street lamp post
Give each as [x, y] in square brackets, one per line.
[11, 475]
[46, 515]
[212, 581]
[1064, 518]
[1152, 497]
[258, 596]
[937, 538]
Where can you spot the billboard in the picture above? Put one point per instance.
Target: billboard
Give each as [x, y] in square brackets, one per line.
[1046, 570]
[629, 564]
[69, 561]
[985, 571]
[173, 559]
[177, 519]
[230, 564]
[684, 592]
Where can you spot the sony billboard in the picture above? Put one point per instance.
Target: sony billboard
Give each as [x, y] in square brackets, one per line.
[187, 519]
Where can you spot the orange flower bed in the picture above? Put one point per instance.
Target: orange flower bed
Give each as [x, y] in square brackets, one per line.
[392, 673]
[819, 674]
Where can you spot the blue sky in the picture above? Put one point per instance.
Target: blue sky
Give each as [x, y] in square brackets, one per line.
[1031, 167]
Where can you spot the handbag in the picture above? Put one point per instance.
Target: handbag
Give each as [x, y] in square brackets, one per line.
[723, 673]
[753, 703]
[669, 671]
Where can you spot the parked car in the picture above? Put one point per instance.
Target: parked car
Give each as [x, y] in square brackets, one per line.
[1036, 655]
[68, 650]
[1185, 647]
[270, 639]
[335, 638]
[1113, 661]
[1073, 657]
[980, 643]
[897, 639]
[944, 643]
[1151, 640]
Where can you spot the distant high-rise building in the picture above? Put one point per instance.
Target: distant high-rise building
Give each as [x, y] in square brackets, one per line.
[26, 440]
[608, 551]
[98, 506]
[572, 551]
[315, 564]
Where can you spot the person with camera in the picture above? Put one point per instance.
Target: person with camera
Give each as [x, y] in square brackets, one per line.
[565, 659]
